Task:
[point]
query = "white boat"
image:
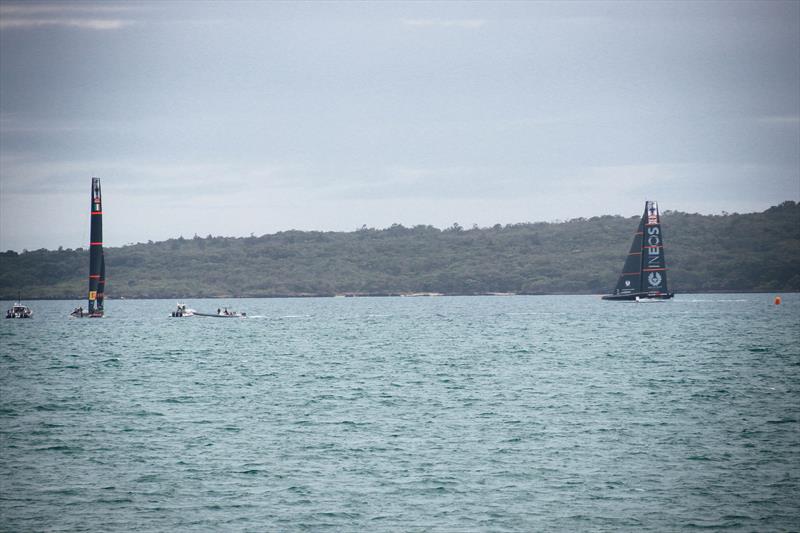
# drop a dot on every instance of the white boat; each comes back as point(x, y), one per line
point(223, 312)
point(19, 311)
point(182, 311)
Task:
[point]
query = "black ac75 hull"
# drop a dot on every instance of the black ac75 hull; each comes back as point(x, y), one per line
point(640, 295)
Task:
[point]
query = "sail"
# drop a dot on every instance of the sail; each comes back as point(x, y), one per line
point(96, 263)
point(630, 281)
point(654, 267)
point(645, 272)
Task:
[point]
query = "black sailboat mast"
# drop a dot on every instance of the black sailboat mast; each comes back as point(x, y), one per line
point(96, 266)
point(101, 283)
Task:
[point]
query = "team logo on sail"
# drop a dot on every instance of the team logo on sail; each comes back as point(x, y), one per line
point(654, 279)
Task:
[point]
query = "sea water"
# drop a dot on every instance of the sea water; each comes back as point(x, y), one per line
point(520, 413)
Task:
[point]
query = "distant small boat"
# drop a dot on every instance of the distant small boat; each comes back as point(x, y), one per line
point(644, 275)
point(222, 313)
point(19, 311)
point(97, 262)
point(182, 311)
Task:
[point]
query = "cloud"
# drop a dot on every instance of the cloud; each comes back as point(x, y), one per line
point(780, 120)
point(18, 123)
point(424, 182)
point(467, 24)
point(29, 8)
point(80, 16)
point(172, 182)
point(84, 24)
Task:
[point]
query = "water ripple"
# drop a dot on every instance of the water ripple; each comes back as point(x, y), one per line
point(405, 414)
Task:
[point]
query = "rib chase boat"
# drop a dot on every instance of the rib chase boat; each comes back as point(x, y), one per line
point(644, 275)
point(222, 312)
point(97, 263)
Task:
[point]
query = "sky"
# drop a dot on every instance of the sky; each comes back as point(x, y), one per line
point(239, 118)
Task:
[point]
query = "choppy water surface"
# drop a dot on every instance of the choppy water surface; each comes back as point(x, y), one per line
point(404, 414)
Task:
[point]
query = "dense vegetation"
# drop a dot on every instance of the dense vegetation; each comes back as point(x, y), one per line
point(736, 252)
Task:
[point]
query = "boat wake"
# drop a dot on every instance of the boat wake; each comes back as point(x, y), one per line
point(705, 301)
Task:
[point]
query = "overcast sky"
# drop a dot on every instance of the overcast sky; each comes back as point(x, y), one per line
point(256, 117)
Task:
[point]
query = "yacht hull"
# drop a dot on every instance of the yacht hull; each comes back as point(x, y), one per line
point(638, 296)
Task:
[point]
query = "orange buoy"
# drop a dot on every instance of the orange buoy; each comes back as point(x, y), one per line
point(777, 300)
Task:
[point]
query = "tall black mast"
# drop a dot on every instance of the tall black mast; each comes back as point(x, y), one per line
point(96, 266)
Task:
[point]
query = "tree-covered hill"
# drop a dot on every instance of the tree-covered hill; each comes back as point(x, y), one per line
point(736, 252)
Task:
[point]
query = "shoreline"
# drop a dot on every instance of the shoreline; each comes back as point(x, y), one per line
point(378, 295)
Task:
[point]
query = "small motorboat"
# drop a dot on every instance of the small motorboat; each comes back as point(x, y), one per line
point(80, 312)
point(223, 312)
point(19, 311)
point(182, 311)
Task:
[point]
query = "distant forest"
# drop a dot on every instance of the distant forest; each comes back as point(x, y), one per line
point(729, 252)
